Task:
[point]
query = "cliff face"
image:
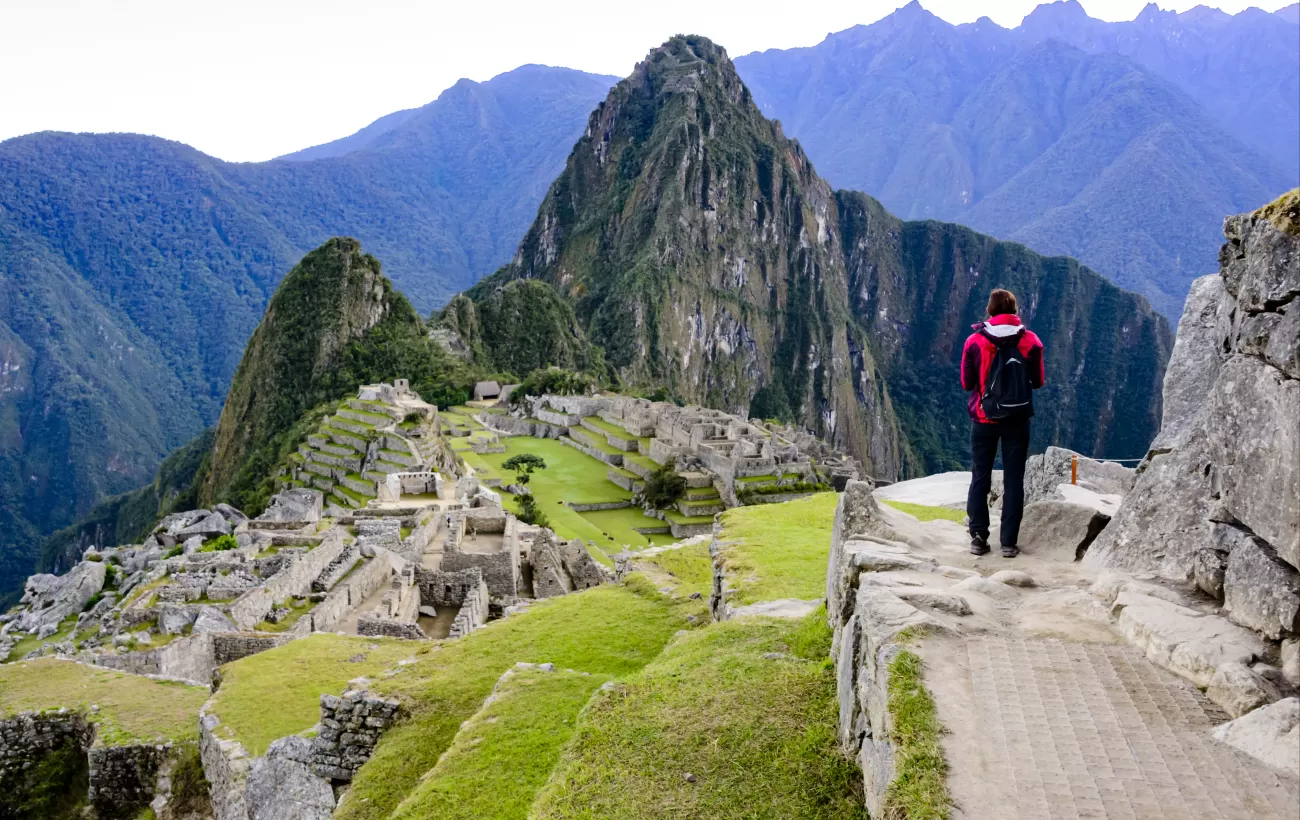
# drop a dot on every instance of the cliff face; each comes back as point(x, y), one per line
point(303, 353)
point(1217, 501)
point(700, 249)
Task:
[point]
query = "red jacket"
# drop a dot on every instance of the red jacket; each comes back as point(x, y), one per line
point(978, 354)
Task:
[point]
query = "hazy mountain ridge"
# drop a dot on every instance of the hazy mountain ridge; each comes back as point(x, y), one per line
point(1019, 134)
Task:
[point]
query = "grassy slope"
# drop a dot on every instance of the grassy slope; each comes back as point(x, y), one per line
point(277, 693)
point(610, 630)
point(503, 755)
point(131, 707)
point(784, 547)
point(757, 733)
point(924, 512)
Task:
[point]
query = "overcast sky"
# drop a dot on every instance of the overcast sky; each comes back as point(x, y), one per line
point(253, 79)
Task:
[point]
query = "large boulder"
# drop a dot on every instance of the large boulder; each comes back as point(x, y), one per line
point(1060, 530)
point(1044, 473)
point(294, 505)
point(232, 515)
point(1193, 364)
point(1260, 590)
point(211, 525)
point(210, 619)
point(50, 599)
point(1270, 733)
point(282, 786)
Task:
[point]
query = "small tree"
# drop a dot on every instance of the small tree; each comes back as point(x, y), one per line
point(663, 488)
point(523, 466)
point(529, 512)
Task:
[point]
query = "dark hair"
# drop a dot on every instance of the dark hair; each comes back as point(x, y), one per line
point(1001, 301)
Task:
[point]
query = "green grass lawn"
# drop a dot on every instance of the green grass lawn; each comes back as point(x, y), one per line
point(622, 524)
point(503, 755)
point(570, 475)
point(277, 692)
point(132, 708)
point(784, 547)
point(758, 735)
point(924, 512)
point(691, 566)
point(609, 630)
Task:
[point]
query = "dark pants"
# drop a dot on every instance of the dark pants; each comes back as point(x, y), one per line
point(983, 450)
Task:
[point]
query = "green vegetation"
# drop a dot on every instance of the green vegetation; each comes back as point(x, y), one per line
point(924, 512)
point(691, 568)
point(919, 790)
point(132, 708)
point(759, 735)
point(607, 631)
point(663, 488)
point(190, 788)
point(784, 547)
point(277, 692)
point(53, 788)
point(503, 755)
point(750, 495)
point(30, 643)
point(222, 543)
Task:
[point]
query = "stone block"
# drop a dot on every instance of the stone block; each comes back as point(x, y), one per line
point(1238, 689)
point(1259, 590)
point(1189, 643)
point(1060, 530)
point(1270, 734)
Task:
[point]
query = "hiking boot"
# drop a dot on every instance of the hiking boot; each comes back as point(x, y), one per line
point(1010, 552)
point(979, 545)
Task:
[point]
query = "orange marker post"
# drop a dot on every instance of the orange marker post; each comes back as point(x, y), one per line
point(1074, 469)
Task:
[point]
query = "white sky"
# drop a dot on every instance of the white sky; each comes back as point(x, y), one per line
point(253, 79)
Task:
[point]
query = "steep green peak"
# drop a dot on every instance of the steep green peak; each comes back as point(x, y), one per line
point(334, 322)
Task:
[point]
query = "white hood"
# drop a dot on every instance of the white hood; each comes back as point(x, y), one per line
point(1002, 331)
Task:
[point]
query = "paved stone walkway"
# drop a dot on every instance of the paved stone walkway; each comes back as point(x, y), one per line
point(1096, 730)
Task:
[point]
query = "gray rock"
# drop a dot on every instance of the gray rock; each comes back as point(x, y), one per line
point(1043, 473)
point(233, 516)
point(210, 526)
point(192, 544)
point(1290, 654)
point(282, 786)
point(869, 560)
point(1270, 734)
point(1283, 349)
point(985, 586)
point(1260, 590)
point(1260, 264)
point(1208, 568)
point(1059, 530)
point(172, 619)
point(50, 598)
point(294, 505)
point(211, 619)
point(1187, 642)
point(1012, 577)
point(942, 601)
point(1238, 689)
point(1255, 437)
point(1193, 364)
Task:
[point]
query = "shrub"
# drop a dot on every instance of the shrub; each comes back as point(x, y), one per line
point(221, 543)
point(174, 551)
point(663, 488)
point(749, 495)
point(529, 513)
point(553, 380)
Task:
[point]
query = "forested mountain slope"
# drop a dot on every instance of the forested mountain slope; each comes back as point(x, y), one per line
point(1119, 152)
point(698, 246)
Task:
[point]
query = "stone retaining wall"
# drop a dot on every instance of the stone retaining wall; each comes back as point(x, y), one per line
point(473, 612)
point(191, 659)
point(226, 764)
point(350, 727)
point(123, 779)
point(613, 459)
point(441, 588)
point(610, 505)
point(351, 594)
point(252, 607)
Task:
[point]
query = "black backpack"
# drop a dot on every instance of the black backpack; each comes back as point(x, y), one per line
point(1007, 394)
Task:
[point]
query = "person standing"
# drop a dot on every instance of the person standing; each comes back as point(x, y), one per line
point(1001, 366)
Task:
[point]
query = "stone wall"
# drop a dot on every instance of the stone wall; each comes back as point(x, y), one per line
point(867, 620)
point(1217, 500)
point(351, 594)
point(560, 568)
point(252, 607)
point(350, 727)
point(440, 588)
point(189, 659)
point(510, 425)
point(226, 764)
point(232, 646)
point(473, 611)
point(124, 779)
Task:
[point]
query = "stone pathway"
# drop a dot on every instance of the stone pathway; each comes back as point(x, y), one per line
point(1081, 730)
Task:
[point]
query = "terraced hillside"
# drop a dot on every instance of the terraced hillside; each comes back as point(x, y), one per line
point(357, 446)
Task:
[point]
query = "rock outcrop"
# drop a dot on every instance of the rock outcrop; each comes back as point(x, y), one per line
point(1217, 500)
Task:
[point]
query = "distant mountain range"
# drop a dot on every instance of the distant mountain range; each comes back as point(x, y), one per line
point(133, 269)
point(1120, 144)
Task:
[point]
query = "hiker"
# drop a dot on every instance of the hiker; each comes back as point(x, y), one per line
point(1001, 364)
